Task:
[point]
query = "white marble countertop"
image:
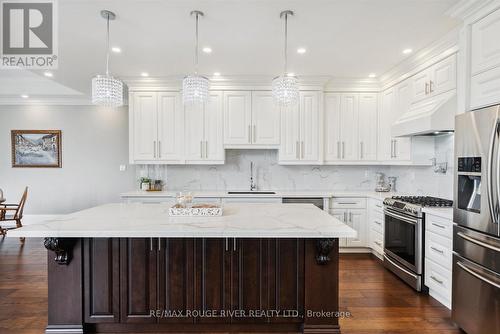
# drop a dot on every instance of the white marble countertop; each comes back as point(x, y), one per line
point(138, 220)
point(278, 194)
point(446, 213)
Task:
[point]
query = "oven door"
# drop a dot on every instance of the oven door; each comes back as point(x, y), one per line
point(402, 239)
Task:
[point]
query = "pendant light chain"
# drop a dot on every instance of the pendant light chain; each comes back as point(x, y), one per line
point(107, 45)
point(286, 43)
point(196, 47)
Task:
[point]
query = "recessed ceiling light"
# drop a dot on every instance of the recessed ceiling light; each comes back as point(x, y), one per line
point(48, 74)
point(301, 51)
point(207, 49)
point(116, 49)
point(372, 75)
point(407, 51)
point(216, 74)
point(290, 74)
point(24, 96)
point(144, 74)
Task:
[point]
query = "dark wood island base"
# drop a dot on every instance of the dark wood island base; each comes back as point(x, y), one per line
point(120, 285)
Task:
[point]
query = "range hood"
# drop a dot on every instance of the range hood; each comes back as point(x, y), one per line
point(429, 117)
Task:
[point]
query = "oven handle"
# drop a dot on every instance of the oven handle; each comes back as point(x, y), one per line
point(403, 218)
point(399, 267)
point(476, 275)
point(478, 242)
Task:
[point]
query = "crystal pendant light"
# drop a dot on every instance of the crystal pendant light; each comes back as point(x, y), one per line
point(286, 87)
point(106, 90)
point(195, 87)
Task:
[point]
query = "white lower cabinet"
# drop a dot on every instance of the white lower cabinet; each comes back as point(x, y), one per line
point(376, 226)
point(352, 212)
point(438, 258)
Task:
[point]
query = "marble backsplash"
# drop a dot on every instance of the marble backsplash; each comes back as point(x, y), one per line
point(235, 174)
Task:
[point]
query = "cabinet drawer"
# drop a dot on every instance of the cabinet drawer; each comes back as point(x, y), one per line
point(348, 203)
point(377, 224)
point(377, 207)
point(485, 88)
point(438, 279)
point(439, 226)
point(438, 249)
point(377, 241)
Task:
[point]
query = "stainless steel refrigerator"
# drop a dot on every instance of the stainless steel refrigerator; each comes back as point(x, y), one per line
point(476, 214)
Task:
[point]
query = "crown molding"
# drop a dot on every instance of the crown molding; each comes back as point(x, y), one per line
point(433, 53)
point(53, 100)
point(466, 8)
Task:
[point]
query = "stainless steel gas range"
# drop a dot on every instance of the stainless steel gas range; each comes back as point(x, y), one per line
point(404, 236)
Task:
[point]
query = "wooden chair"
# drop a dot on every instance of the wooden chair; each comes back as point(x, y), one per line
point(13, 212)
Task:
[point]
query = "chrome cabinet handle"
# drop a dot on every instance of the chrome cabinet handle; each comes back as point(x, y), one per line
point(249, 134)
point(150, 244)
point(361, 153)
point(345, 217)
point(395, 148)
point(431, 83)
point(159, 148)
point(338, 149)
point(343, 150)
point(297, 150)
point(437, 250)
point(227, 244)
point(426, 88)
point(377, 222)
point(478, 242)
point(154, 148)
point(350, 217)
point(473, 273)
point(201, 149)
point(302, 150)
point(378, 243)
point(438, 225)
point(437, 280)
point(254, 133)
point(159, 244)
point(392, 148)
point(234, 244)
point(206, 150)
point(347, 203)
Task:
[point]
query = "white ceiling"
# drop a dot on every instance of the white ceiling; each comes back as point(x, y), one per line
point(344, 38)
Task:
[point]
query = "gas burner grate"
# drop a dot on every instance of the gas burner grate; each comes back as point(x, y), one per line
point(425, 201)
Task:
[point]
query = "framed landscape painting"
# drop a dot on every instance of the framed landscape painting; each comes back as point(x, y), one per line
point(36, 148)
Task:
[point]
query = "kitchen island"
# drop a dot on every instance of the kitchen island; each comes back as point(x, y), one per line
point(133, 268)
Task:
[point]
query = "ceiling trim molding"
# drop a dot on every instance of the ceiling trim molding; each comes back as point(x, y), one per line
point(438, 50)
point(466, 8)
point(46, 100)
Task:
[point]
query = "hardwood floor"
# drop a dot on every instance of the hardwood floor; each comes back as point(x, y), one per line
point(377, 301)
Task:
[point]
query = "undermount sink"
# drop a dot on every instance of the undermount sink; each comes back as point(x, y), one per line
point(251, 192)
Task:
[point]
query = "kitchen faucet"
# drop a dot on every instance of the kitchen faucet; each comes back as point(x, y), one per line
point(253, 186)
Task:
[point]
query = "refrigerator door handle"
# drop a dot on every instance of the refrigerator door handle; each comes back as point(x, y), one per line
point(493, 164)
point(478, 276)
point(478, 242)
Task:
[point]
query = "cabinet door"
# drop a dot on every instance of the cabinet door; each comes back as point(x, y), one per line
point(332, 126)
point(194, 133)
point(265, 119)
point(214, 137)
point(368, 125)
point(143, 124)
point(287, 277)
point(102, 280)
point(213, 277)
point(443, 76)
point(341, 215)
point(237, 118)
point(170, 127)
point(176, 279)
point(356, 219)
point(250, 286)
point(349, 116)
point(138, 272)
point(485, 47)
point(485, 88)
point(289, 143)
point(420, 85)
point(309, 127)
point(402, 146)
point(385, 143)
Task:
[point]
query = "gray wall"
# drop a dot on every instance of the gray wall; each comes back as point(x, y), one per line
point(94, 145)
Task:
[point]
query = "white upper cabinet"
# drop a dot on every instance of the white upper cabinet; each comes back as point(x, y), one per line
point(349, 117)
point(237, 117)
point(251, 120)
point(485, 45)
point(204, 139)
point(265, 119)
point(401, 149)
point(385, 140)
point(170, 127)
point(368, 126)
point(156, 127)
point(485, 61)
point(332, 113)
point(439, 78)
point(301, 136)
